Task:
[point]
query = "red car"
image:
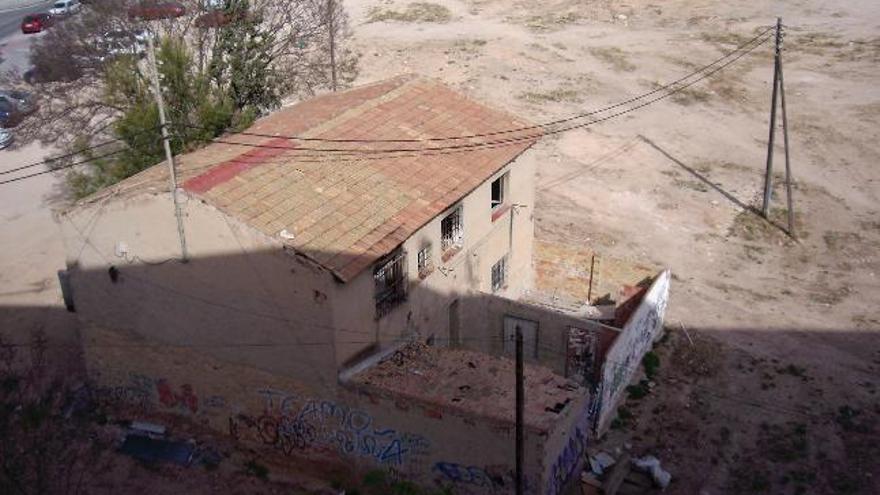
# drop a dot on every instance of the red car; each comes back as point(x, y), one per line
point(152, 10)
point(34, 23)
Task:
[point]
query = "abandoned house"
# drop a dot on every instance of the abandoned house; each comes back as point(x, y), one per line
point(355, 302)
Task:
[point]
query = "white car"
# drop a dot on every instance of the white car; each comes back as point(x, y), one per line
point(5, 138)
point(65, 7)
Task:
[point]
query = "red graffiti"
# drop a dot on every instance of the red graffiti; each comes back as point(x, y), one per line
point(186, 399)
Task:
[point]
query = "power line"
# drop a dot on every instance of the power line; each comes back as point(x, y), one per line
point(49, 161)
point(342, 152)
point(519, 129)
point(500, 142)
point(23, 177)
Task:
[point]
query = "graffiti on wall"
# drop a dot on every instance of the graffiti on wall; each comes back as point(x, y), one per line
point(291, 423)
point(569, 459)
point(143, 392)
point(485, 479)
point(630, 347)
point(580, 356)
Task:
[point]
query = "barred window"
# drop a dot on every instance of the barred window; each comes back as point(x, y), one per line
point(499, 274)
point(426, 264)
point(390, 280)
point(451, 231)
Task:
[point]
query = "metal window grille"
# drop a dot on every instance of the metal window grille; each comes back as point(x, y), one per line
point(499, 274)
point(390, 279)
point(451, 231)
point(425, 262)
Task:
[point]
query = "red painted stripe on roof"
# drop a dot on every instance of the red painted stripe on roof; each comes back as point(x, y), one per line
point(227, 170)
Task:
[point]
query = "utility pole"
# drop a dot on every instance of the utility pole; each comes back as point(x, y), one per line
point(768, 175)
point(778, 91)
point(331, 30)
point(788, 177)
point(157, 89)
point(520, 403)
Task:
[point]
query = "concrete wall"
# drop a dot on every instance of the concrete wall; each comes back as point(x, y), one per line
point(240, 298)
point(357, 429)
point(625, 355)
point(426, 311)
point(485, 315)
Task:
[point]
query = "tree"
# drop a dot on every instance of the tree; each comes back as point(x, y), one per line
point(221, 65)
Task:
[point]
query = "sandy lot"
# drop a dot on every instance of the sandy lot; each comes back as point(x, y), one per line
point(774, 388)
point(778, 394)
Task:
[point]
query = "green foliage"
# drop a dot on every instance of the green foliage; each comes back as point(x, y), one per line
point(651, 362)
point(196, 111)
point(639, 390)
point(242, 60)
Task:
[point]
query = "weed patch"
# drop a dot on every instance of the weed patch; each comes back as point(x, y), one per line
point(414, 12)
point(555, 96)
point(613, 56)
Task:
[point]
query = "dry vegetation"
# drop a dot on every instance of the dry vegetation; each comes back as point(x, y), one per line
point(413, 12)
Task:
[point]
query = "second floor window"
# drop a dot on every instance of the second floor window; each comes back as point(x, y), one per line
point(390, 281)
point(499, 187)
point(451, 230)
point(426, 264)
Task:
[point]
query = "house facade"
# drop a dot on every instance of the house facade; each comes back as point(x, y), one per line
point(391, 223)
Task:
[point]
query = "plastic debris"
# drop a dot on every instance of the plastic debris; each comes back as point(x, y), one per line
point(600, 462)
point(651, 465)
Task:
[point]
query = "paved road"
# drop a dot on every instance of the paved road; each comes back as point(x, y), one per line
point(31, 249)
point(10, 21)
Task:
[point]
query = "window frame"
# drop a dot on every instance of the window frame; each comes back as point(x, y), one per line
point(502, 180)
point(453, 242)
point(387, 296)
point(501, 284)
point(425, 260)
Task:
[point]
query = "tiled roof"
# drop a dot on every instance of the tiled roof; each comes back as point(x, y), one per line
point(346, 211)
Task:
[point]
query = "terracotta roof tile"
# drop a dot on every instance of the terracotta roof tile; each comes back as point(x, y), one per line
point(348, 210)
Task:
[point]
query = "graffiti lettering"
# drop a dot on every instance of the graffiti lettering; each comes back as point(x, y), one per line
point(325, 424)
point(185, 399)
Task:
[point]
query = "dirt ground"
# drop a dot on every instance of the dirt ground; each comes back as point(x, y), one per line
point(768, 380)
point(778, 393)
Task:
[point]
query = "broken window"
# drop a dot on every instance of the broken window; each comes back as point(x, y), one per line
point(499, 274)
point(390, 280)
point(451, 231)
point(498, 191)
point(426, 264)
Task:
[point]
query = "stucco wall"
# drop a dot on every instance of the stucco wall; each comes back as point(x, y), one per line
point(240, 298)
point(485, 315)
point(625, 355)
point(426, 311)
point(358, 429)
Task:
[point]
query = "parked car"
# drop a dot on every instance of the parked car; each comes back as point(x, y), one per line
point(22, 101)
point(152, 10)
point(65, 7)
point(9, 117)
point(5, 138)
point(34, 23)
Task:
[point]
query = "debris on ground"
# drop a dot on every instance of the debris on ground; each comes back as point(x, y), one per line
point(623, 475)
point(155, 449)
point(651, 465)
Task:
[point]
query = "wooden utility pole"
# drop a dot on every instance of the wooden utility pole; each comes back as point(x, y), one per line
point(520, 403)
point(788, 177)
point(768, 175)
point(157, 89)
point(778, 94)
point(331, 30)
